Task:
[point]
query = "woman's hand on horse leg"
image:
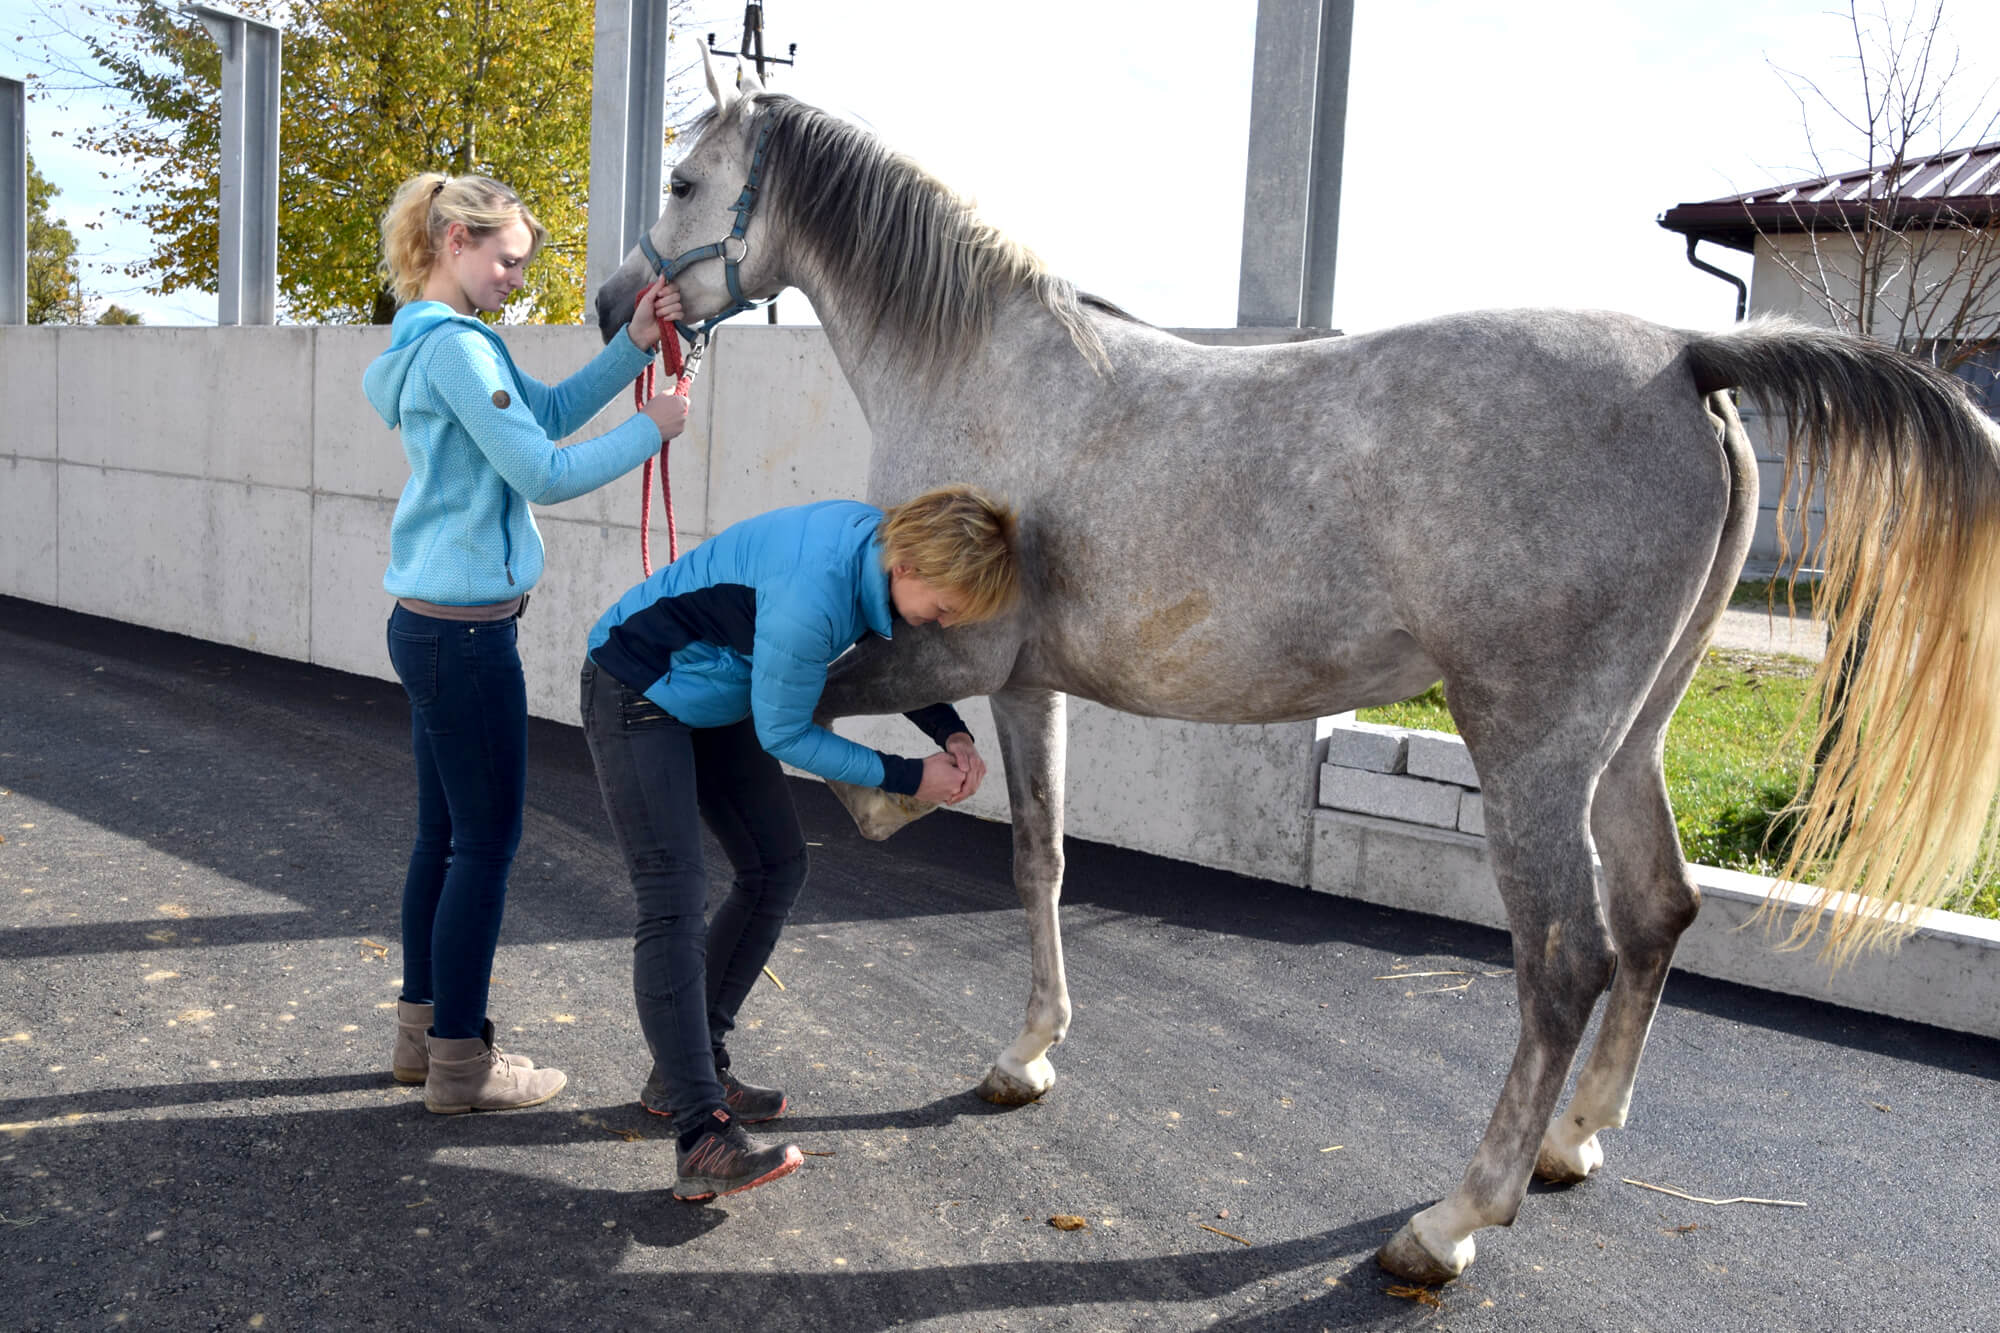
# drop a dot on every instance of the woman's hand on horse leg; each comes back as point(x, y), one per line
point(943, 781)
point(961, 748)
point(646, 325)
point(668, 411)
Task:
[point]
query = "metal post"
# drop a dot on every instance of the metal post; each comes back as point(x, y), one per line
point(1291, 193)
point(13, 202)
point(628, 131)
point(247, 276)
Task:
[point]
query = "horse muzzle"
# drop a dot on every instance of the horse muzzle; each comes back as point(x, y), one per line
point(616, 300)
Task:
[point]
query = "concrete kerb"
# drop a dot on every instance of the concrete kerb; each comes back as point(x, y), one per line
point(1946, 974)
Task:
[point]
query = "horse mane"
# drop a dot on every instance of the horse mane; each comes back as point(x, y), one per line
point(912, 255)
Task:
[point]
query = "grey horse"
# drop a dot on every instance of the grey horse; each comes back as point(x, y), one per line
point(1545, 510)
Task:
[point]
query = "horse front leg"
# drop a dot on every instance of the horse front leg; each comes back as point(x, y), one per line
point(1031, 729)
point(914, 669)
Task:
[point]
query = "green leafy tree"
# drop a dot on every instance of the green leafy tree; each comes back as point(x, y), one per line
point(374, 91)
point(118, 314)
point(55, 290)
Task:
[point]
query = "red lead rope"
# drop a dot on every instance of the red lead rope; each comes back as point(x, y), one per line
point(642, 393)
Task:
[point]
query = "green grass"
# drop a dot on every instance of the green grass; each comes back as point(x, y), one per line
point(1770, 594)
point(1732, 759)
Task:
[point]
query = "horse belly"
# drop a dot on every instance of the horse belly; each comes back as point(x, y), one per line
point(1157, 668)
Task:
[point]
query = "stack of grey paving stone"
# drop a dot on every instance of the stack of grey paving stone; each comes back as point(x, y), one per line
point(1418, 777)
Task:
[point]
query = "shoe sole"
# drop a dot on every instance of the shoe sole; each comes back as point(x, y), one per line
point(793, 1161)
point(549, 1096)
point(410, 1075)
point(783, 1107)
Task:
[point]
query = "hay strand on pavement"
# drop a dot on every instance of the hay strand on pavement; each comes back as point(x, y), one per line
point(1696, 1198)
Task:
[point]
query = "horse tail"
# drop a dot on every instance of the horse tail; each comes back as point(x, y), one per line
point(1899, 811)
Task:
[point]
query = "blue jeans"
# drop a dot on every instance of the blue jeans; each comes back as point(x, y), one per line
point(661, 779)
point(469, 733)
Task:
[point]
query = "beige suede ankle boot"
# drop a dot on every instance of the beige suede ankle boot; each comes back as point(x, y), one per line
point(410, 1062)
point(467, 1074)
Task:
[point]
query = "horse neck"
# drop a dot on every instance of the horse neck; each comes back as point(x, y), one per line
point(899, 393)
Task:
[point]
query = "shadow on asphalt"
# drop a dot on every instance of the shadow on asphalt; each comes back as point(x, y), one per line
point(308, 1183)
point(293, 779)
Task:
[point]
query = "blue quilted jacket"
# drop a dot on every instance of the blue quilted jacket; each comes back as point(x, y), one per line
point(480, 436)
point(746, 625)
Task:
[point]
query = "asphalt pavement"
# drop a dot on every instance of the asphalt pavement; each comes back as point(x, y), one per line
point(198, 961)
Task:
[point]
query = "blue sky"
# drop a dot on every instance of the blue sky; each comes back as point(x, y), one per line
point(1496, 155)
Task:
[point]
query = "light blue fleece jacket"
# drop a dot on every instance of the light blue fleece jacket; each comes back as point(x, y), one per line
point(480, 436)
point(746, 625)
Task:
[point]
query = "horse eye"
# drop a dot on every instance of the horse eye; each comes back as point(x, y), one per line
point(680, 189)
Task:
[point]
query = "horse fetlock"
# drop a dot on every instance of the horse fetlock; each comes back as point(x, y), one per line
point(878, 813)
point(1567, 1155)
point(1423, 1251)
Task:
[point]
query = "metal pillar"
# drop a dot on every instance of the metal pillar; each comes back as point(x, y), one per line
point(13, 202)
point(628, 131)
point(1291, 192)
point(247, 276)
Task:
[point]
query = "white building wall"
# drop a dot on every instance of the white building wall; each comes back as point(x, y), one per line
point(1927, 272)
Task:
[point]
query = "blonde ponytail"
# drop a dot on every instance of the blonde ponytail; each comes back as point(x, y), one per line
point(425, 205)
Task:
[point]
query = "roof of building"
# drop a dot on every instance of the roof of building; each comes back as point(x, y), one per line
point(1961, 185)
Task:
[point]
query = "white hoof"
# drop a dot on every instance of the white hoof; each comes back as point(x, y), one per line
point(878, 813)
point(1562, 1163)
point(1409, 1255)
point(1003, 1088)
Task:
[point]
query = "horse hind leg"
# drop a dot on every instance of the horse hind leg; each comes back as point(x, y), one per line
point(1031, 730)
point(1650, 897)
point(1563, 960)
point(1650, 900)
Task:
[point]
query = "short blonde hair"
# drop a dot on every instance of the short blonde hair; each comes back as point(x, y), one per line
point(426, 205)
point(961, 542)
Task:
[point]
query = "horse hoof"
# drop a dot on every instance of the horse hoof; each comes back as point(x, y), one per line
point(1408, 1257)
point(1005, 1089)
point(1562, 1164)
point(878, 813)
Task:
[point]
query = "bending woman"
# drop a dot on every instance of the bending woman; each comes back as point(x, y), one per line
point(463, 554)
point(697, 683)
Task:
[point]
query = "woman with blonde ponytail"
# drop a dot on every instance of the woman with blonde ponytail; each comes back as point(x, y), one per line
point(463, 554)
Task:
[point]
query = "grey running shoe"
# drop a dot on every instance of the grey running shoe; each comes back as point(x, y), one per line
point(726, 1160)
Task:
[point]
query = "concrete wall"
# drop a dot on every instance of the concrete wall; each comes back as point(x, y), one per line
point(234, 485)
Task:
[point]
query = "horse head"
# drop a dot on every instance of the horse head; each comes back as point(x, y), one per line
point(712, 238)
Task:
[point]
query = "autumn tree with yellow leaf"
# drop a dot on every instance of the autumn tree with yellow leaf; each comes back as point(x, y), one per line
point(374, 91)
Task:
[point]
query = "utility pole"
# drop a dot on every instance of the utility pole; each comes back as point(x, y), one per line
point(1298, 125)
point(628, 110)
point(246, 287)
point(751, 48)
point(13, 201)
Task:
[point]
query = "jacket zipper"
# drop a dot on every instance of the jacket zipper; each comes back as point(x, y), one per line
point(506, 535)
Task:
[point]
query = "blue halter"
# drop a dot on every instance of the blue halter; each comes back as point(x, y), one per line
point(746, 203)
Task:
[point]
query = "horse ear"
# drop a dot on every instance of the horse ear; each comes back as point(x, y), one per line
point(723, 93)
point(747, 81)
